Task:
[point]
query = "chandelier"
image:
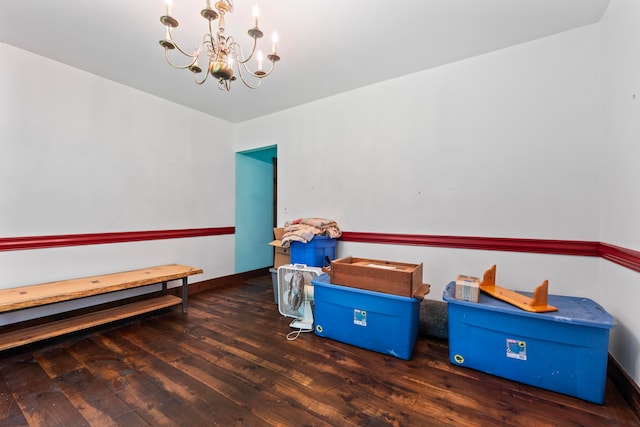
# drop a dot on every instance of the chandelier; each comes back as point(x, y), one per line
point(221, 51)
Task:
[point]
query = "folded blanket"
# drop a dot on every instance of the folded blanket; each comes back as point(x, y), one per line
point(305, 229)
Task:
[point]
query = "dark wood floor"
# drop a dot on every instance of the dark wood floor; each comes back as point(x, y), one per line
point(227, 362)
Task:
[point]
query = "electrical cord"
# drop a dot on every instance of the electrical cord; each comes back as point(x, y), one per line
point(293, 335)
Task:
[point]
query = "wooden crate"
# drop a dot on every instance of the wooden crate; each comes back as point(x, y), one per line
point(380, 276)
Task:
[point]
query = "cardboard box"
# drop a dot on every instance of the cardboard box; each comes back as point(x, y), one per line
point(372, 320)
point(564, 351)
point(467, 288)
point(379, 276)
point(282, 255)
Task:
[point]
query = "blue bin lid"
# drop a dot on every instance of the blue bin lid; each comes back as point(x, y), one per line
point(315, 237)
point(575, 310)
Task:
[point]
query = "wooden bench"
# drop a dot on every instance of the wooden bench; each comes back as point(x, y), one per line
point(25, 297)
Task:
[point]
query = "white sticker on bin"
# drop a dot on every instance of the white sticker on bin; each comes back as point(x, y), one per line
point(516, 349)
point(359, 317)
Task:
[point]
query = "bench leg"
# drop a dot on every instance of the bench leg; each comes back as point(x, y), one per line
point(184, 294)
point(164, 288)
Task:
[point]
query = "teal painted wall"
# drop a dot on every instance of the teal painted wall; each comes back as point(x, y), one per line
point(254, 209)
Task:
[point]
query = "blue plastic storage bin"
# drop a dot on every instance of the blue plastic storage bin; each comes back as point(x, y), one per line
point(564, 351)
point(376, 321)
point(313, 253)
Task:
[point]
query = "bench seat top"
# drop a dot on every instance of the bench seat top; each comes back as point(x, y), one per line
point(64, 290)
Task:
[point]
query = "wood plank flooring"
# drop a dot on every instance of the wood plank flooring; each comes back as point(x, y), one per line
point(227, 362)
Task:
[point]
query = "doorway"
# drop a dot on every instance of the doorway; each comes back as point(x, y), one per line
point(255, 213)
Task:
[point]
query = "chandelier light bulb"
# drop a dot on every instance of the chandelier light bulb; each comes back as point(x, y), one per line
point(256, 13)
point(274, 39)
point(260, 58)
point(168, 4)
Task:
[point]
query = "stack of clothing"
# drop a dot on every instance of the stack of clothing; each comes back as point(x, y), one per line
point(305, 229)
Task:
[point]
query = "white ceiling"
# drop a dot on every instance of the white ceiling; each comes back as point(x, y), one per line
point(327, 46)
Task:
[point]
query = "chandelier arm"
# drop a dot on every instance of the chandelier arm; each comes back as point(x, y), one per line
point(184, 52)
point(175, 44)
point(262, 76)
point(249, 85)
point(199, 82)
point(210, 29)
point(245, 80)
point(237, 48)
point(255, 74)
point(207, 42)
point(179, 67)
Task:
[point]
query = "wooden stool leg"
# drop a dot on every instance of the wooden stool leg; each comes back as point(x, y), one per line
point(184, 294)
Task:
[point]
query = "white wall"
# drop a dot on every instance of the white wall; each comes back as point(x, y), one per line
point(621, 124)
point(506, 144)
point(82, 154)
point(482, 147)
point(620, 224)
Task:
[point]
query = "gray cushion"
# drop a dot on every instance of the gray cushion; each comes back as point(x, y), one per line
point(433, 319)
